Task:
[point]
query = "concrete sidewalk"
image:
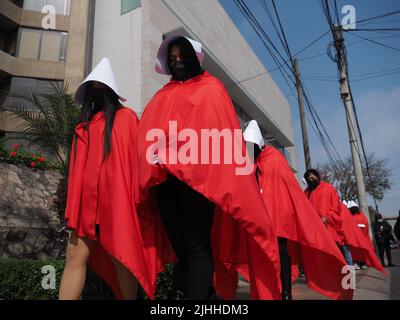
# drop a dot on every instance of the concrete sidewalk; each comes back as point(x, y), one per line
point(371, 285)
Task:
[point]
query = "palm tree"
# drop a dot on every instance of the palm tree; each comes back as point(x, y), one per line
point(50, 124)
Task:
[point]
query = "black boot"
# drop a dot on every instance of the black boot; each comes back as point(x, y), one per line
point(286, 270)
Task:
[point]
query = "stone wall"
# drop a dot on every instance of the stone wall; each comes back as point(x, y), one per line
point(30, 221)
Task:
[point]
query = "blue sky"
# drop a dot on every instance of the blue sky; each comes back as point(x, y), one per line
point(377, 99)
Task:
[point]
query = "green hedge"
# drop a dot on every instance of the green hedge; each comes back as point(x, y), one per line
point(22, 280)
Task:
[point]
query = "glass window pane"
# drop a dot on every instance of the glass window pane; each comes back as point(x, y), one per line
point(34, 5)
point(51, 45)
point(59, 5)
point(19, 87)
point(29, 43)
point(129, 5)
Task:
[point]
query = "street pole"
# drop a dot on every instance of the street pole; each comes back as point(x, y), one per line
point(306, 147)
point(348, 104)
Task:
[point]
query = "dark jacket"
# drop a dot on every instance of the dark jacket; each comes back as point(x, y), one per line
point(382, 231)
point(397, 229)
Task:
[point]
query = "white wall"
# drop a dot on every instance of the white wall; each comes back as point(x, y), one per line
point(118, 37)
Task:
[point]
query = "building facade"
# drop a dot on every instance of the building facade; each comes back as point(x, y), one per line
point(34, 53)
point(129, 33)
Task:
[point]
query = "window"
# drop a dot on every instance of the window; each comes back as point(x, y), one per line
point(61, 6)
point(29, 43)
point(34, 5)
point(52, 46)
point(129, 5)
point(20, 86)
point(42, 45)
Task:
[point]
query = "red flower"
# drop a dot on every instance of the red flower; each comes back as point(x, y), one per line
point(13, 154)
point(41, 159)
point(16, 146)
point(33, 164)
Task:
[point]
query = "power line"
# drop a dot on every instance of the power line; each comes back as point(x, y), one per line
point(312, 43)
point(378, 17)
point(372, 29)
point(376, 42)
point(328, 145)
point(356, 78)
point(265, 40)
point(295, 55)
point(382, 22)
point(341, 61)
point(316, 121)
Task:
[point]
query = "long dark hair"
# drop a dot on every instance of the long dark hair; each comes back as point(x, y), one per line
point(97, 100)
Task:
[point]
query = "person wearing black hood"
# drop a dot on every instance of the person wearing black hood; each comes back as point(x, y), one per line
point(210, 202)
point(326, 201)
point(193, 273)
point(182, 60)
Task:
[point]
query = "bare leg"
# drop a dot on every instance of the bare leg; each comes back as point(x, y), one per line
point(74, 276)
point(127, 282)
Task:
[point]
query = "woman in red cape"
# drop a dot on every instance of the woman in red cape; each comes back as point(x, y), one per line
point(361, 246)
point(105, 231)
point(303, 238)
point(359, 217)
point(241, 235)
point(294, 219)
point(326, 202)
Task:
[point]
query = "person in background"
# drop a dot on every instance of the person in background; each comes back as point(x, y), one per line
point(397, 228)
point(302, 236)
point(383, 234)
point(327, 203)
point(362, 222)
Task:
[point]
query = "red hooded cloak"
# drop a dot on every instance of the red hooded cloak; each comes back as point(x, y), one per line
point(242, 235)
point(326, 202)
point(361, 247)
point(103, 192)
point(294, 218)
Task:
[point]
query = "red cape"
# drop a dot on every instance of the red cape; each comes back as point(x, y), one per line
point(295, 219)
point(361, 247)
point(326, 202)
point(362, 222)
point(242, 236)
point(104, 193)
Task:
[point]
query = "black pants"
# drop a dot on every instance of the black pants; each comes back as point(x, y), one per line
point(286, 269)
point(382, 247)
point(188, 217)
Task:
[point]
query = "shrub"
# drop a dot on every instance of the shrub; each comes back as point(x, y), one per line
point(19, 156)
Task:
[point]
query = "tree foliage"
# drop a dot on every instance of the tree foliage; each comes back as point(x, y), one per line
point(377, 182)
point(48, 120)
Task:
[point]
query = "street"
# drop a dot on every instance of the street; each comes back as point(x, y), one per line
point(371, 285)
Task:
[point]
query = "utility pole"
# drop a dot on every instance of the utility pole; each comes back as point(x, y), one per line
point(348, 104)
point(304, 132)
